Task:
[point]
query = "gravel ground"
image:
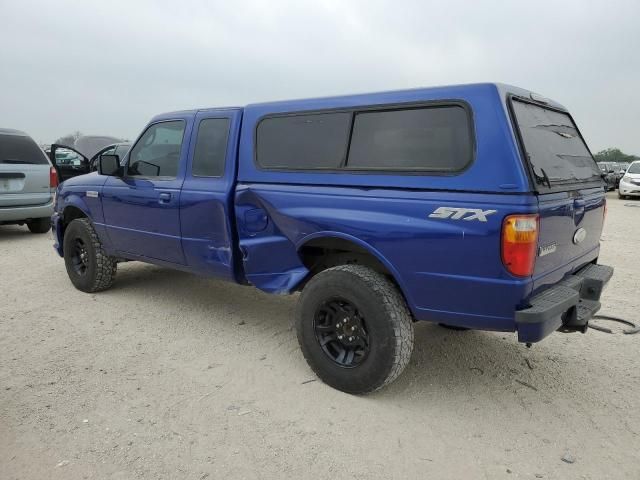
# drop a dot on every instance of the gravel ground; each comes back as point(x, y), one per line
point(168, 375)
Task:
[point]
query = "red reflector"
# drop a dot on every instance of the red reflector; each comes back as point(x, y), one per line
point(53, 178)
point(519, 243)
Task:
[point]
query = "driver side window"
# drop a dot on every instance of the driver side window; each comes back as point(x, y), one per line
point(157, 153)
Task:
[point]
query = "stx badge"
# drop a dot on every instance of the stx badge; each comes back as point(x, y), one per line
point(459, 213)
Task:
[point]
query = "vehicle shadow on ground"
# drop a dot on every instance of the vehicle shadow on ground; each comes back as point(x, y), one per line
point(10, 232)
point(173, 289)
point(460, 364)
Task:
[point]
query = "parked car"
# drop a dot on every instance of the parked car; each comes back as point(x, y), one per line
point(447, 204)
point(618, 171)
point(70, 162)
point(68, 157)
point(27, 182)
point(88, 145)
point(608, 174)
point(630, 182)
point(119, 149)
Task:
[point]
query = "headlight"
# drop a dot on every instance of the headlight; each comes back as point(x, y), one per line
point(625, 180)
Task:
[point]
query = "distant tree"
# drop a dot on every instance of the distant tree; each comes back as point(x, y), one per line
point(69, 139)
point(614, 155)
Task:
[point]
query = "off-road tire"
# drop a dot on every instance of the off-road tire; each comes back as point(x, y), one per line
point(388, 320)
point(100, 268)
point(39, 225)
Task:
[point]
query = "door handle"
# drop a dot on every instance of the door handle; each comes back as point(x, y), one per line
point(165, 197)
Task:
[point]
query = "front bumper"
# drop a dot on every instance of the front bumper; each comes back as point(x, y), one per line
point(56, 232)
point(567, 306)
point(628, 188)
point(631, 192)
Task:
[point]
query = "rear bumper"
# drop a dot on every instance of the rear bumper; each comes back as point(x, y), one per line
point(568, 305)
point(20, 214)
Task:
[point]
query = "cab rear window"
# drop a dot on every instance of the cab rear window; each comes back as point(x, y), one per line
point(20, 149)
point(553, 146)
point(211, 147)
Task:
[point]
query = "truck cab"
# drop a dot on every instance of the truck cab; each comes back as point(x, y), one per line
point(475, 206)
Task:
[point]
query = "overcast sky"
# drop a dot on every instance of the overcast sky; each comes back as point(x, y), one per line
point(107, 67)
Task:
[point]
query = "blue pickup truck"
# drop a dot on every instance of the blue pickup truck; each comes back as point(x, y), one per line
point(473, 206)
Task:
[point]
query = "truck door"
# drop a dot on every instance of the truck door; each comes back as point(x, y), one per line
point(68, 162)
point(206, 201)
point(142, 208)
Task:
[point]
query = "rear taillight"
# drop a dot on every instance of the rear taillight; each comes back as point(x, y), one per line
point(519, 243)
point(53, 178)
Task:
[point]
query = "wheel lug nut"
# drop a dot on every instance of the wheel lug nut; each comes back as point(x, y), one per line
point(339, 337)
point(351, 339)
point(353, 328)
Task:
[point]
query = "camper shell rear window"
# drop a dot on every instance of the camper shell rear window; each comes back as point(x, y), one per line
point(552, 145)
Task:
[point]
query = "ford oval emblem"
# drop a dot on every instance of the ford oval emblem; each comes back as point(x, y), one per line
point(579, 236)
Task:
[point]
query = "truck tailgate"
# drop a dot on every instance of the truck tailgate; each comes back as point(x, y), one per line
point(570, 228)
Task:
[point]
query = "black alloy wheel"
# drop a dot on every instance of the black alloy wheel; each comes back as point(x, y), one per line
point(80, 257)
point(341, 332)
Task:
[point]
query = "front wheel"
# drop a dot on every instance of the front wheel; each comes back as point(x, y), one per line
point(354, 328)
point(88, 267)
point(39, 225)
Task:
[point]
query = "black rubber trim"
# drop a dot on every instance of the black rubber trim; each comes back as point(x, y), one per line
point(549, 304)
point(10, 175)
point(594, 278)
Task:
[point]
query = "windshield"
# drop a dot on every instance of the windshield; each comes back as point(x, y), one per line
point(65, 156)
point(553, 145)
point(634, 168)
point(20, 149)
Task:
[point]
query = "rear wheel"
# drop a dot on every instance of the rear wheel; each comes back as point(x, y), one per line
point(88, 267)
point(39, 225)
point(354, 328)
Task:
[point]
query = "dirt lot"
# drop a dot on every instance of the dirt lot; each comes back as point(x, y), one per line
point(172, 376)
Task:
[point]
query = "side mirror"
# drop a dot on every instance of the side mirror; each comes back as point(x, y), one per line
point(109, 165)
